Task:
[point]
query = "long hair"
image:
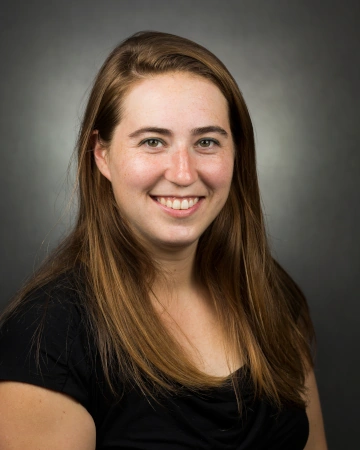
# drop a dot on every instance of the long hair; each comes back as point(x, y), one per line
point(261, 309)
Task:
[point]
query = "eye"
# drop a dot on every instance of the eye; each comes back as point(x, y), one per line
point(207, 143)
point(153, 143)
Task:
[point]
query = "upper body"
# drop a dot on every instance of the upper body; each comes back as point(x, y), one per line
point(77, 411)
point(178, 292)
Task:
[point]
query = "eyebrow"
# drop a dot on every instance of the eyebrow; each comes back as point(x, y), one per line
point(166, 132)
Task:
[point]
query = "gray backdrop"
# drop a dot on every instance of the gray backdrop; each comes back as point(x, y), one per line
point(297, 64)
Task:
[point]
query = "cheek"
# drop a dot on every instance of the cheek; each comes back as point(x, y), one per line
point(135, 172)
point(221, 175)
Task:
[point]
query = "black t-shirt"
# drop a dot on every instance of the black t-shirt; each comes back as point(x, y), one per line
point(68, 364)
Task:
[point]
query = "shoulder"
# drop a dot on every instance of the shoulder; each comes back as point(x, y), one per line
point(50, 312)
point(45, 340)
point(56, 299)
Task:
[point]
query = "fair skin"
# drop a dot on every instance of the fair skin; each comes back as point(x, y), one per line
point(184, 161)
point(34, 418)
point(173, 149)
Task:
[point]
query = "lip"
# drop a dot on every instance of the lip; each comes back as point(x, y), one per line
point(178, 213)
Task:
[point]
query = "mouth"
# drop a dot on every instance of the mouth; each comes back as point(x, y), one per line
point(182, 203)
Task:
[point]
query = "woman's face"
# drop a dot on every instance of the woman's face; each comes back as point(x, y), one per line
point(171, 158)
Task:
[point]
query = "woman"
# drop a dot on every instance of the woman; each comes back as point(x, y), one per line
point(162, 321)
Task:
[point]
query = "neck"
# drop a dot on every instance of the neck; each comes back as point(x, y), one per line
point(178, 283)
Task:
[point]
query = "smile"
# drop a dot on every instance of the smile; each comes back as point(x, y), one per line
point(183, 203)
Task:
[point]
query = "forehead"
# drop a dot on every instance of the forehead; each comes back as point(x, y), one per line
point(174, 98)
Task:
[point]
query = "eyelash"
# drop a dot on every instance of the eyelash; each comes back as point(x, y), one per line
point(214, 141)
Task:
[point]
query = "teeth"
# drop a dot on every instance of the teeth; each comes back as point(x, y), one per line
point(185, 203)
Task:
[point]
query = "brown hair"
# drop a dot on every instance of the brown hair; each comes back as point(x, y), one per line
point(260, 307)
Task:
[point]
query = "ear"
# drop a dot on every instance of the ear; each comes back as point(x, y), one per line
point(101, 156)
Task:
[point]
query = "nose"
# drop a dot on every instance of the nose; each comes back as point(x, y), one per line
point(182, 167)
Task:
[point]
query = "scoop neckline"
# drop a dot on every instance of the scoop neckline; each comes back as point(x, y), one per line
point(237, 371)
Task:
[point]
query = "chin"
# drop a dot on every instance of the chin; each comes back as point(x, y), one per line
point(176, 244)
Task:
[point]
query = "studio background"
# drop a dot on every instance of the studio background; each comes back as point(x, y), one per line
point(298, 66)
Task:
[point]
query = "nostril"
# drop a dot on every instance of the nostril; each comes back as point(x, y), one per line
point(182, 174)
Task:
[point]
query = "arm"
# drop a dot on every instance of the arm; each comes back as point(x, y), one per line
point(317, 439)
point(36, 418)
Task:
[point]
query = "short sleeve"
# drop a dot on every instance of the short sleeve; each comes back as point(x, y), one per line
point(44, 343)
